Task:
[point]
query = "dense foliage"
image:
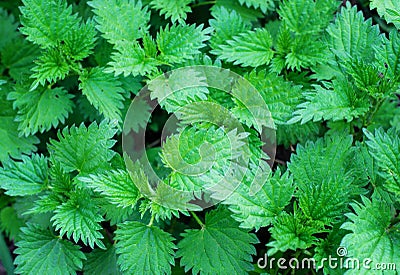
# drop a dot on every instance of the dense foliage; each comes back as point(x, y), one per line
point(329, 72)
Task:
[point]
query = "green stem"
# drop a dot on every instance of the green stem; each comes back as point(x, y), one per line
point(296, 255)
point(382, 24)
point(395, 220)
point(205, 3)
point(151, 221)
point(378, 105)
point(198, 219)
point(76, 68)
point(164, 63)
point(107, 235)
point(5, 256)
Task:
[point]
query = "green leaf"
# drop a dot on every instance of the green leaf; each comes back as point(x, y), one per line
point(79, 217)
point(131, 23)
point(7, 108)
point(351, 36)
point(248, 14)
point(289, 134)
point(50, 67)
point(178, 88)
point(144, 249)
point(23, 205)
point(305, 52)
point(283, 43)
point(369, 80)
point(325, 201)
point(178, 43)
point(226, 25)
point(130, 58)
point(385, 148)
point(80, 41)
point(325, 158)
point(116, 186)
point(388, 55)
point(10, 223)
point(115, 214)
point(325, 179)
point(47, 23)
point(46, 203)
point(388, 9)
point(371, 220)
point(24, 178)
point(41, 109)
point(281, 96)
point(164, 202)
point(5, 257)
point(12, 144)
point(84, 149)
point(251, 48)
point(41, 252)
point(264, 5)
point(221, 247)
point(317, 17)
point(102, 262)
point(19, 56)
point(194, 153)
point(292, 231)
point(299, 44)
point(176, 9)
point(260, 209)
point(365, 167)
point(103, 91)
point(250, 107)
point(137, 119)
point(387, 116)
point(60, 180)
point(328, 247)
point(343, 102)
point(167, 203)
point(8, 28)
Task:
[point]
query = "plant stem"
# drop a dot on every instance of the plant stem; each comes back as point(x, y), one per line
point(395, 220)
point(378, 105)
point(108, 235)
point(198, 219)
point(5, 256)
point(203, 4)
point(151, 221)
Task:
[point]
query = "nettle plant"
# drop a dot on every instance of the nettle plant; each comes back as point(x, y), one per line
point(328, 76)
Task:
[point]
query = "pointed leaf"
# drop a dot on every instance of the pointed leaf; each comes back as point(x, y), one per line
point(371, 221)
point(47, 23)
point(103, 91)
point(120, 20)
point(43, 253)
point(79, 217)
point(222, 247)
point(144, 249)
point(84, 149)
point(176, 9)
point(41, 109)
point(252, 48)
point(24, 178)
point(116, 186)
